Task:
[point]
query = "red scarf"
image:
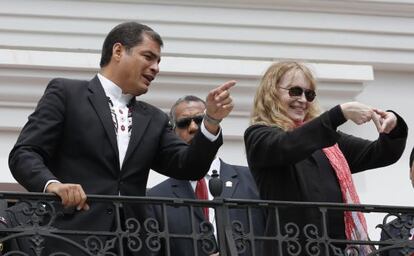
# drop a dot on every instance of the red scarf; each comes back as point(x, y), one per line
point(355, 224)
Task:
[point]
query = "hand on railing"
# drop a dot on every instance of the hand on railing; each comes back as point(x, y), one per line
point(71, 195)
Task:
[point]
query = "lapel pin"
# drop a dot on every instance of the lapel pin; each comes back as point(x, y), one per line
point(229, 184)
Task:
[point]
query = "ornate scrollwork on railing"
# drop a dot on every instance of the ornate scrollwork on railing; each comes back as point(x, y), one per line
point(316, 243)
point(153, 239)
point(32, 218)
point(395, 229)
point(34, 214)
point(402, 223)
point(240, 237)
point(207, 239)
point(32, 221)
point(132, 235)
point(37, 240)
point(291, 239)
point(96, 246)
point(313, 239)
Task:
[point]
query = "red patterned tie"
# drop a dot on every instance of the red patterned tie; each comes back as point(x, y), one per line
point(202, 193)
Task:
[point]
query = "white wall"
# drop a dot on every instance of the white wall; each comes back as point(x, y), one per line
point(389, 185)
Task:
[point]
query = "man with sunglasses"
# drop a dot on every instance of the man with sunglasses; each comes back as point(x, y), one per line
point(186, 116)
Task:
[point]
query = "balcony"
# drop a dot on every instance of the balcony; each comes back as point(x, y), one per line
point(29, 226)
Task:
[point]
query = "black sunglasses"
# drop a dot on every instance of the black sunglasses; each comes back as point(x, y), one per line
point(297, 91)
point(185, 122)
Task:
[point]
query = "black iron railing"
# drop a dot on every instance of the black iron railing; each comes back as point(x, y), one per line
point(29, 225)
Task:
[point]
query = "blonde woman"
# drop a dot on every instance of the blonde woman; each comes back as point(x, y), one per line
point(296, 153)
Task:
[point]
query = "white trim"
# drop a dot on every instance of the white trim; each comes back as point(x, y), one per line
point(176, 65)
point(368, 7)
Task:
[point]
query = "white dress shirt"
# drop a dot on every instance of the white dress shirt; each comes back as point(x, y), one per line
point(119, 113)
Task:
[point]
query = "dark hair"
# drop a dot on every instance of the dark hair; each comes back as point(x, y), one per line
point(411, 157)
point(129, 34)
point(186, 98)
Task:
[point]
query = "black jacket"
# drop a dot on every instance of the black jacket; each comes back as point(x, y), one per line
point(70, 137)
point(290, 166)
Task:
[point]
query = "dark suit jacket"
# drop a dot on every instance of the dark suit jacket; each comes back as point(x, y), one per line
point(70, 137)
point(399, 231)
point(179, 219)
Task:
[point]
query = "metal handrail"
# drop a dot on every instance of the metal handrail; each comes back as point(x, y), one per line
point(31, 221)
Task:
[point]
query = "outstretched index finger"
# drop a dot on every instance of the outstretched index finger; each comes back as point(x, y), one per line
point(224, 87)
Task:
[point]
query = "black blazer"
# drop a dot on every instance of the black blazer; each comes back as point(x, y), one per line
point(70, 137)
point(179, 219)
point(290, 166)
point(399, 231)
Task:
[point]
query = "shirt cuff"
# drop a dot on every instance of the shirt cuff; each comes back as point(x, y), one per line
point(47, 184)
point(208, 134)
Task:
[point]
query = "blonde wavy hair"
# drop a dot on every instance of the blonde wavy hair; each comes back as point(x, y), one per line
point(268, 108)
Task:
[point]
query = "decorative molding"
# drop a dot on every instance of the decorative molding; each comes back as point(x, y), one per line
point(88, 62)
point(366, 7)
point(25, 73)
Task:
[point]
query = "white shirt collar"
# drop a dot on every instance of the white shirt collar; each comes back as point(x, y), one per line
point(114, 92)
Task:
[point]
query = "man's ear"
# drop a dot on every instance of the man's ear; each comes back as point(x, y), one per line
point(117, 51)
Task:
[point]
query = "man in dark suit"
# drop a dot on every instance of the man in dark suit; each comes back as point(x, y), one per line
point(186, 115)
point(402, 228)
point(94, 137)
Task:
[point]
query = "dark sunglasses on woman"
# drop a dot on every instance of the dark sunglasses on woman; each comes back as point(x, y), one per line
point(186, 121)
point(297, 91)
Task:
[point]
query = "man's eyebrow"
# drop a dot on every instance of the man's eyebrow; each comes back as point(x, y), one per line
point(151, 53)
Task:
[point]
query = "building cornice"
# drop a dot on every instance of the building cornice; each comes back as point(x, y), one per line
point(399, 8)
point(25, 73)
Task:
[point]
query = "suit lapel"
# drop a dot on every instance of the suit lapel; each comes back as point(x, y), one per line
point(99, 102)
point(140, 121)
point(230, 181)
point(183, 189)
